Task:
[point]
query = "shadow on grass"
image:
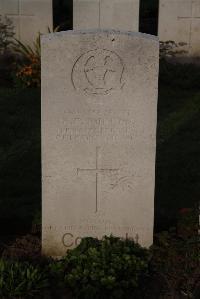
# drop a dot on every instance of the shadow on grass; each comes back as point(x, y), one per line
point(178, 143)
point(20, 166)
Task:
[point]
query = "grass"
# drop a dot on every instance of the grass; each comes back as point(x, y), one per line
point(178, 142)
point(178, 160)
point(20, 174)
point(178, 150)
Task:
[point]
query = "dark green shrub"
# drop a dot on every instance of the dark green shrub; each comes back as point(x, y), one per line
point(110, 268)
point(19, 279)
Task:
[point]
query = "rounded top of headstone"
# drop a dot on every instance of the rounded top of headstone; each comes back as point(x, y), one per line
point(100, 32)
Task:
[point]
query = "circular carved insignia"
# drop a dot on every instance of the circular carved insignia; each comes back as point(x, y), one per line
point(98, 72)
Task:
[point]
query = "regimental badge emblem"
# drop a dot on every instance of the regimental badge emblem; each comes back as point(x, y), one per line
point(98, 72)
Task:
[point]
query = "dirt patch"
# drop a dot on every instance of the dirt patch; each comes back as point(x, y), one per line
point(26, 247)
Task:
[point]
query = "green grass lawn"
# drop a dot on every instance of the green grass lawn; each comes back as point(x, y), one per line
point(20, 162)
point(178, 150)
point(178, 154)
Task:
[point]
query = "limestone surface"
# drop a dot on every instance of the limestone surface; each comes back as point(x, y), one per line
point(99, 113)
point(179, 21)
point(106, 14)
point(28, 17)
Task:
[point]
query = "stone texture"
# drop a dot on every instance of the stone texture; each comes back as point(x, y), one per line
point(99, 104)
point(179, 21)
point(106, 14)
point(29, 17)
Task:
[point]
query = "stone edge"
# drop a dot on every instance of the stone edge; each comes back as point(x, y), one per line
point(49, 36)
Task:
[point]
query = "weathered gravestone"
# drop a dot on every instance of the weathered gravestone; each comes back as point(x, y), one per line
point(28, 16)
point(99, 103)
point(179, 21)
point(106, 14)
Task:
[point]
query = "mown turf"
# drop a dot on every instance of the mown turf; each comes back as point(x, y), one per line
point(178, 143)
point(178, 150)
point(20, 174)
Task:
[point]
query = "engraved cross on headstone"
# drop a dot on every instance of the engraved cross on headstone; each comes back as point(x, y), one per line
point(19, 15)
point(191, 18)
point(97, 171)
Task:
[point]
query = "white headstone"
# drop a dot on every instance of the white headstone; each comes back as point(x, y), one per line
point(179, 21)
point(99, 103)
point(106, 14)
point(29, 17)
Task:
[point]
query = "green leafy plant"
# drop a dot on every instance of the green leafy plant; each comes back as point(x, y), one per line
point(56, 278)
point(28, 69)
point(21, 279)
point(110, 268)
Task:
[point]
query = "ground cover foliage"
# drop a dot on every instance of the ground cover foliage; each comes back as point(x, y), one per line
point(108, 269)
